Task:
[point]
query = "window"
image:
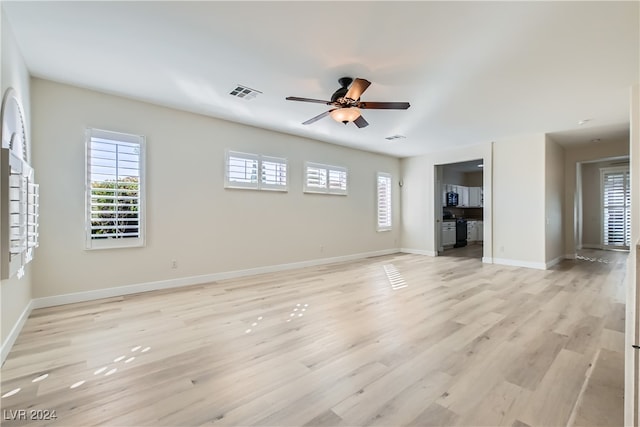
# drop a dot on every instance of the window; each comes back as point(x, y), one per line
point(325, 179)
point(114, 190)
point(616, 201)
point(384, 201)
point(254, 171)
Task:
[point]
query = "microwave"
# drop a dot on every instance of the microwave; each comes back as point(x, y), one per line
point(452, 198)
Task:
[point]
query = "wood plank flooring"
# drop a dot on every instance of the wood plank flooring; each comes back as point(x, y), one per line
point(387, 341)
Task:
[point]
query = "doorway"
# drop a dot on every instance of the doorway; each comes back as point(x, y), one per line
point(604, 214)
point(460, 209)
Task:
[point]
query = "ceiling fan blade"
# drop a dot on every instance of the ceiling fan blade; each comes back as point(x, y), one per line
point(361, 122)
point(357, 88)
point(317, 101)
point(384, 105)
point(318, 117)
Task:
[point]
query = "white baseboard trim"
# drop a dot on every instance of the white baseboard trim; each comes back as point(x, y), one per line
point(570, 256)
point(518, 263)
point(15, 331)
point(193, 280)
point(554, 261)
point(487, 260)
point(591, 246)
point(418, 252)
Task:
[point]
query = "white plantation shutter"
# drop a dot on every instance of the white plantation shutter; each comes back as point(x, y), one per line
point(115, 189)
point(325, 179)
point(384, 201)
point(254, 171)
point(616, 198)
point(338, 181)
point(242, 170)
point(274, 173)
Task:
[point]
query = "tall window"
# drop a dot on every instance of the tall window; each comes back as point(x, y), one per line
point(254, 171)
point(384, 201)
point(325, 179)
point(114, 190)
point(616, 202)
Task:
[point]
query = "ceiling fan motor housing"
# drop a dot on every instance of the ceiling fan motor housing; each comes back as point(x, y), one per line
point(344, 88)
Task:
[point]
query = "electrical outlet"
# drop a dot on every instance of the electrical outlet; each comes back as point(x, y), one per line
point(174, 264)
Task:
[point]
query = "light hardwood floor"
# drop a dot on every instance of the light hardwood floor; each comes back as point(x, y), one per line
point(389, 341)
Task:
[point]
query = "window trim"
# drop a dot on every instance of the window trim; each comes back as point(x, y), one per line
point(384, 227)
point(326, 190)
point(119, 243)
point(259, 184)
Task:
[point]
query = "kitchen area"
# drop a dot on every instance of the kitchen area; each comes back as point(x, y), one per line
point(462, 209)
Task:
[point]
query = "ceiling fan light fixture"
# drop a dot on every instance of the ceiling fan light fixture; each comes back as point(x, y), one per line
point(345, 115)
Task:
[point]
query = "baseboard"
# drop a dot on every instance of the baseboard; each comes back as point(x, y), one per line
point(570, 256)
point(591, 246)
point(15, 331)
point(418, 252)
point(518, 263)
point(487, 260)
point(193, 280)
point(554, 261)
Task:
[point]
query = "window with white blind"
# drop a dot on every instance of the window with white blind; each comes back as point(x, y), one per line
point(325, 179)
point(114, 190)
point(255, 171)
point(384, 201)
point(616, 203)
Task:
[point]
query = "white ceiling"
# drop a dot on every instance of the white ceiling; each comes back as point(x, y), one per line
point(472, 71)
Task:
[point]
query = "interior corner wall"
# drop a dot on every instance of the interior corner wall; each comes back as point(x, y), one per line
point(632, 316)
point(418, 197)
point(554, 201)
point(191, 217)
point(15, 293)
point(519, 201)
point(573, 156)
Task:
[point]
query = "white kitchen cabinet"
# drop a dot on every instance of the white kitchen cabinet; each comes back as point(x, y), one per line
point(475, 196)
point(463, 196)
point(480, 231)
point(467, 196)
point(472, 231)
point(448, 233)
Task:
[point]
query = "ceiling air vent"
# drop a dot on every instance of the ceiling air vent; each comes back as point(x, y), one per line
point(244, 92)
point(393, 137)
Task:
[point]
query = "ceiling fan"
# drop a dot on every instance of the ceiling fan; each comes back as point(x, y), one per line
point(347, 104)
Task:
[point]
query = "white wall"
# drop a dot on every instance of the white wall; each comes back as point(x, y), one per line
point(519, 201)
point(632, 318)
point(15, 294)
point(591, 211)
point(191, 218)
point(418, 197)
point(572, 197)
point(554, 200)
point(451, 176)
point(473, 179)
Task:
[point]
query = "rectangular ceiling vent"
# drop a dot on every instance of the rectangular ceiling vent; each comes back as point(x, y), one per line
point(393, 137)
point(244, 92)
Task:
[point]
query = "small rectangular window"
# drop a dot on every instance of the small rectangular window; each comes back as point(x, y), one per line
point(254, 171)
point(325, 179)
point(114, 190)
point(384, 201)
